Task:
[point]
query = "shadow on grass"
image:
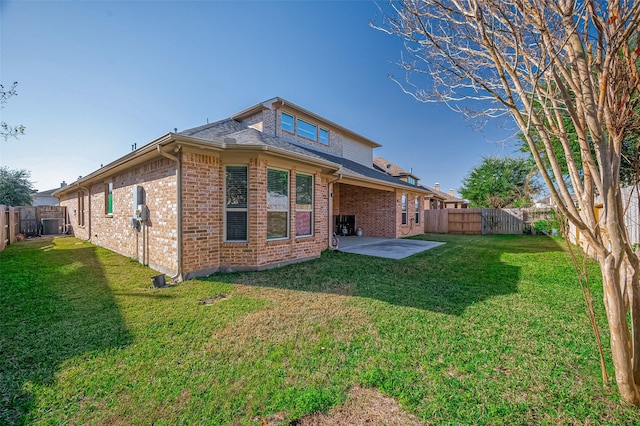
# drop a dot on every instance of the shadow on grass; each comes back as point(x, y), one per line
point(56, 304)
point(447, 279)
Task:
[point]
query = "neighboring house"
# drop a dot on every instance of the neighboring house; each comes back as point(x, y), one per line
point(266, 187)
point(548, 203)
point(46, 198)
point(437, 199)
point(431, 200)
point(395, 171)
point(543, 203)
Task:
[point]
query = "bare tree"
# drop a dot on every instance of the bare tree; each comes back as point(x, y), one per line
point(540, 61)
point(6, 130)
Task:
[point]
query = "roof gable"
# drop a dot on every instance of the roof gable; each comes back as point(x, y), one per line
point(278, 102)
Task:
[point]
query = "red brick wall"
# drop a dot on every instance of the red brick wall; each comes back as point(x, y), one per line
point(378, 212)
point(411, 228)
point(71, 202)
point(156, 243)
point(204, 250)
point(202, 207)
point(207, 251)
point(374, 209)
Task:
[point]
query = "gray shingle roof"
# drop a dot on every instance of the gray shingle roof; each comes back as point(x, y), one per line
point(47, 193)
point(391, 168)
point(218, 129)
point(244, 135)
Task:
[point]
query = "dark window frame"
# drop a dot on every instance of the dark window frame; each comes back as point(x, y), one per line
point(232, 209)
point(403, 202)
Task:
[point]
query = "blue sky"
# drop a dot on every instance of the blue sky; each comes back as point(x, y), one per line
point(96, 77)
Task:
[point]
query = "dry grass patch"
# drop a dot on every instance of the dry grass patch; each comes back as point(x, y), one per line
point(293, 316)
point(364, 407)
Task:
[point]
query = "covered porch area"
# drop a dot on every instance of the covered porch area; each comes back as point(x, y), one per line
point(368, 209)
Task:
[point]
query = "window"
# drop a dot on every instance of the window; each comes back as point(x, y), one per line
point(304, 128)
point(236, 203)
point(277, 204)
point(304, 205)
point(307, 130)
point(404, 209)
point(288, 122)
point(417, 209)
point(108, 198)
point(81, 208)
point(411, 180)
point(324, 136)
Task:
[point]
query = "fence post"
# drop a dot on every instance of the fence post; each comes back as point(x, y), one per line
point(12, 225)
point(3, 226)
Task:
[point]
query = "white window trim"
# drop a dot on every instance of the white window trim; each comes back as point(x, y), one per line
point(288, 211)
point(313, 205)
point(235, 209)
point(417, 206)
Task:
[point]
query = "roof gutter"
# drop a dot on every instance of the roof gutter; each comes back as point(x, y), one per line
point(142, 154)
point(178, 159)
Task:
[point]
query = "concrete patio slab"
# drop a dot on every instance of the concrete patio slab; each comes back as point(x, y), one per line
point(389, 248)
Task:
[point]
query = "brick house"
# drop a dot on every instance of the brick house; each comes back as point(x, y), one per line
point(437, 199)
point(434, 198)
point(266, 187)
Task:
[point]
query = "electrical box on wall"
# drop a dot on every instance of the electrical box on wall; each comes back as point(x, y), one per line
point(138, 198)
point(143, 212)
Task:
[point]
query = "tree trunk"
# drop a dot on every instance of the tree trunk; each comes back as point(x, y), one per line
point(621, 347)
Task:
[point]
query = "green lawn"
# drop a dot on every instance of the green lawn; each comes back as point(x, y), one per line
point(481, 330)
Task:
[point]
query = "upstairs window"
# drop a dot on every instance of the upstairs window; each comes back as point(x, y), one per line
point(307, 130)
point(323, 136)
point(411, 180)
point(304, 128)
point(277, 204)
point(236, 203)
point(417, 209)
point(404, 209)
point(304, 205)
point(288, 122)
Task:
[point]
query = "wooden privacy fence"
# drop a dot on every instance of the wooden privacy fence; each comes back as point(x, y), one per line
point(474, 221)
point(9, 225)
point(31, 221)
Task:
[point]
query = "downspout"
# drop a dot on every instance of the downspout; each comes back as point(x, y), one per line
point(177, 158)
point(84, 188)
point(330, 188)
